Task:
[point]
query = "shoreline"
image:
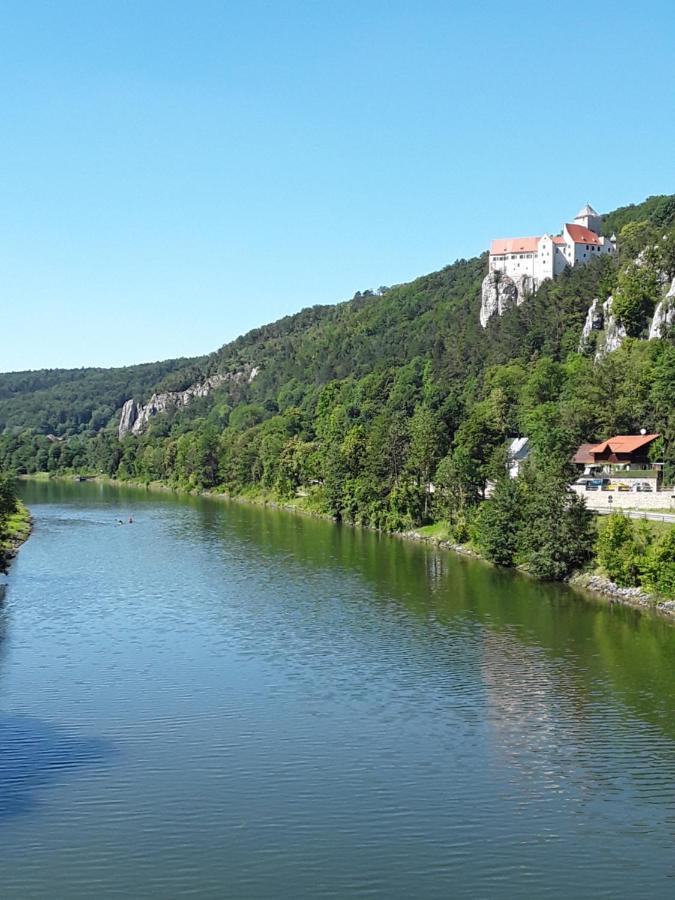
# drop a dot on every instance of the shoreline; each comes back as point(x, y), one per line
point(583, 583)
point(20, 529)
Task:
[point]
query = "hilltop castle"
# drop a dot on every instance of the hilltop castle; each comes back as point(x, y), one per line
point(544, 257)
point(519, 265)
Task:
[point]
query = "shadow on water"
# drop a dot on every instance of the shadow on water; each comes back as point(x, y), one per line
point(35, 753)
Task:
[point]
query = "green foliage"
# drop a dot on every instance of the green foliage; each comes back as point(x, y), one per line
point(636, 295)
point(8, 500)
point(392, 409)
point(558, 531)
point(536, 520)
point(8, 506)
point(499, 524)
point(620, 550)
point(632, 556)
point(659, 565)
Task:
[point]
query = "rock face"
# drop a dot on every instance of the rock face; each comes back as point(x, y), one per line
point(595, 321)
point(599, 319)
point(134, 418)
point(615, 334)
point(500, 293)
point(664, 315)
point(128, 417)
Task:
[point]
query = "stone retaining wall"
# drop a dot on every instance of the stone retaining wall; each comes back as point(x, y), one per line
point(664, 500)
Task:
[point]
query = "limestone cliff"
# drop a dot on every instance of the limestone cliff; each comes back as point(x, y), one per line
point(500, 293)
point(664, 315)
point(135, 418)
point(615, 333)
point(595, 321)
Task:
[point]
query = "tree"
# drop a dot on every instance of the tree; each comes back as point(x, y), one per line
point(636, 295)
point(659, 565)
point(8, 501)
point(620, 552)
point(499, 523)
point(425, 449)
point(558, 531)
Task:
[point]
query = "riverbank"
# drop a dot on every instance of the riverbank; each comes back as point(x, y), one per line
point(586, 583)
point(17, 530)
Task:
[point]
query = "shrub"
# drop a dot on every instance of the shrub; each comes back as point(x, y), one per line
point(622, 549)
point(659, 566)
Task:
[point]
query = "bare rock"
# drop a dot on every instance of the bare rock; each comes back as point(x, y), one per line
point(595, 321)
point(664, 315)
point(134, 418)
point(128, 418)
point(615, 333)
point(500, 293)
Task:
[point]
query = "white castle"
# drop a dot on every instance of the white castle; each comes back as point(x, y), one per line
point(539, 258)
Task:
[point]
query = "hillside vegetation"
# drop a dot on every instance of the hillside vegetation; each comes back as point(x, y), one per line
point(358, 407)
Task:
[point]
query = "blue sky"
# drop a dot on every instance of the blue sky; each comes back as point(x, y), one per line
point(176, 173)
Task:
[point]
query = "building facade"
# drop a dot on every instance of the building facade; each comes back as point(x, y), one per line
point(547, 255)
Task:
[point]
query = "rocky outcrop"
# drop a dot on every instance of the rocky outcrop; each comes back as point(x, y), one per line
point(615, 333)
point(128, 417)
point(595, 321)
point(500, 293)
point(664, 315)
point(134, 418)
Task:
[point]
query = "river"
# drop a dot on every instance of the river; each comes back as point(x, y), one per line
point(223, 701)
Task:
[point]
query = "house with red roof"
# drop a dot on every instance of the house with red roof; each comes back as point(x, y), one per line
point(621, 459)
point(546, 256)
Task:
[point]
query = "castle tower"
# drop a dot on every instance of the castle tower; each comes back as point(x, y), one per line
point(588, 218)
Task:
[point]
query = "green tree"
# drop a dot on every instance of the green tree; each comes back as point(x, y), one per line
point(558, 532)
point(619, 551)
point(636, 295)
point(659, 565)
point(499, 524)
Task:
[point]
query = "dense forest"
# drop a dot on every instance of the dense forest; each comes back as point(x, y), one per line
point(358, 408)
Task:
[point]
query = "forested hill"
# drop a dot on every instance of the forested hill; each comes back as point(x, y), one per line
point(75, 401)
point(434, 318)
point(358, 407)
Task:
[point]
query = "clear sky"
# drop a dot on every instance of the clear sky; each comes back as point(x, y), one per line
point(175, 173)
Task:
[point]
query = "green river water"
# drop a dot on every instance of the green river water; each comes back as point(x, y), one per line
point(229, 702)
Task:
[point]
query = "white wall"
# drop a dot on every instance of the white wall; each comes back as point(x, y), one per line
point(522, 264)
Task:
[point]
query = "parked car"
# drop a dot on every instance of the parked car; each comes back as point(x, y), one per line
point(597, 484)
point(623, 487)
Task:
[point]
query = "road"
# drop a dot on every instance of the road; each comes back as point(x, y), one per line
point(637, 514)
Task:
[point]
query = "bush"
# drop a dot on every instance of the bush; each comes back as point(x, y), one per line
point(622, 549)
point(659, 565)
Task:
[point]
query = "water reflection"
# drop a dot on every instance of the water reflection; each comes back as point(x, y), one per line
point(304, 710)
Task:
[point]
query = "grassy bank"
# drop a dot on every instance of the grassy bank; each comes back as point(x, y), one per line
point(16, 531)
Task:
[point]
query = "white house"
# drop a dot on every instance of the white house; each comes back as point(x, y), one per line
point(517, 453)
point(546, 256)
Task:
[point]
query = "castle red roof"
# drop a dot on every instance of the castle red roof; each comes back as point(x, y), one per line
point(514, 245)
point(558, 239)
point(581, 235)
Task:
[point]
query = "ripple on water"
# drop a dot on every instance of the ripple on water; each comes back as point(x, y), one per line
point(220, 701)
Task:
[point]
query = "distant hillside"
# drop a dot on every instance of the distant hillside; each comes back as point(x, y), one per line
point(434, 317)
point(72, 401)
point(357, 407)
